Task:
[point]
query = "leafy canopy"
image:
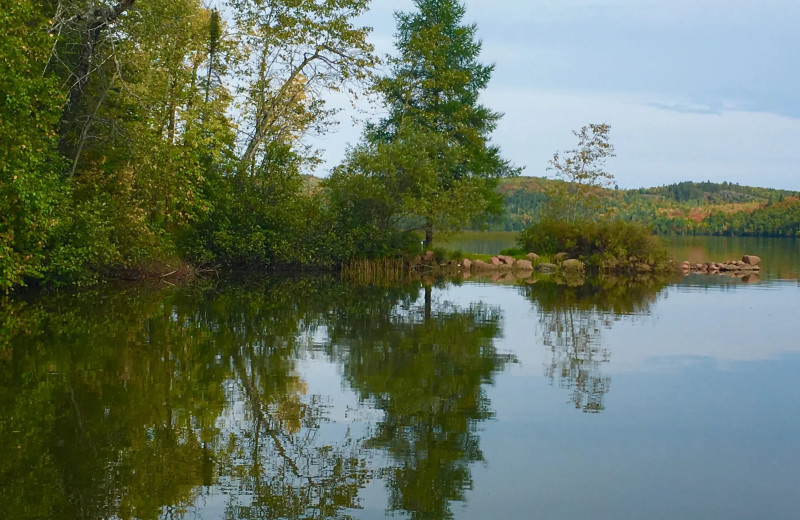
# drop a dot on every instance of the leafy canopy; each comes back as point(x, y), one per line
point(433, 149)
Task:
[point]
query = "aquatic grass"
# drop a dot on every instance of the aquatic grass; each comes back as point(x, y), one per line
point(382, 271)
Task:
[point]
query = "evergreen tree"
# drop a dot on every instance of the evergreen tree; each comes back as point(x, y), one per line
point(434, 114)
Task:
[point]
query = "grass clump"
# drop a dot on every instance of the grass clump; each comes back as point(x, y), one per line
point(611, 246)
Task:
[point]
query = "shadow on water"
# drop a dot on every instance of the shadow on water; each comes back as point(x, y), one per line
point(140, 403)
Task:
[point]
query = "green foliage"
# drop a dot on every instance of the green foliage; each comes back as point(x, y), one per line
point(582, 172)
point(607, 245)
point(513, 251)
point(176, 133)
point(433, 149)
point(686, 208)
point(32, 193)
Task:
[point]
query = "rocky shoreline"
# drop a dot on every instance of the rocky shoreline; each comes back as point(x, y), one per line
point(748, 268)
point(504, 266)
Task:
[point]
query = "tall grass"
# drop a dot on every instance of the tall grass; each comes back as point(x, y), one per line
point(383, 271)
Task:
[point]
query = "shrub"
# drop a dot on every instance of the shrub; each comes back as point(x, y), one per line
point(608, 245)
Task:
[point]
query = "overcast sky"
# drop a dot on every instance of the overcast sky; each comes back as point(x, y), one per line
point(693, 89)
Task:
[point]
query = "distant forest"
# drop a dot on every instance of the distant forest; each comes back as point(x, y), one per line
point(686, 208)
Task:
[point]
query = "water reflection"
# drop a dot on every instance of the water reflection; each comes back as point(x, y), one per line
point(425, 371)
point(149, 404)
point(572, 318)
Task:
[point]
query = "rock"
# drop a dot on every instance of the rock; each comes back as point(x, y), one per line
point(480, 265)
point(466, 264)
point(532, 257)
point(508, 260)
point(751, 260)
point(429, 257)
point(496, 261)
point(507, 277)
point(571, 264)
point(524, 265)
point(560, 257)
point(545, 267)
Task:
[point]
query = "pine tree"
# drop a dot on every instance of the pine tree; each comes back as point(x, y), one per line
point(432, 96)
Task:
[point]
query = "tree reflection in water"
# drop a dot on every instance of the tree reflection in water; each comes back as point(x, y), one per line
point(137, 403)
point(572, 318)
point(425, 369)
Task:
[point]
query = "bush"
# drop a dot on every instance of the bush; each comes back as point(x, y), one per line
point(608, 246)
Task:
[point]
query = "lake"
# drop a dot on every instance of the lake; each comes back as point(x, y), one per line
point(310, 397)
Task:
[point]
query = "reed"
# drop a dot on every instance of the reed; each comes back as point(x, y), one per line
point(376, 272)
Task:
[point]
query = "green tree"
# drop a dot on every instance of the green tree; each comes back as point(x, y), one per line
point(31, 191)
point(433, 149)
point(583, 173)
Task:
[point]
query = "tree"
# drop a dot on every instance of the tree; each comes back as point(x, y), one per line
point(31, 191)
point(583, 173)
point(433, 147)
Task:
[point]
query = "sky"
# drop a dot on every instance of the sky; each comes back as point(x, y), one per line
point(694, 90)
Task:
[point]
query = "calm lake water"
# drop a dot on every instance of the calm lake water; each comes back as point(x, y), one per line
point(314, 398)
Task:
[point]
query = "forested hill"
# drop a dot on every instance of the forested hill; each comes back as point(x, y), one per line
point(696, 208)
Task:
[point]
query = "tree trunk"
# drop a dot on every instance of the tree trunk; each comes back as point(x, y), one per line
point(428, 234)
point(428, 301)
point(98, 21)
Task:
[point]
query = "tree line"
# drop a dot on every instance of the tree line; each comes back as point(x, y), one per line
point(708, 209)
point(138, 135)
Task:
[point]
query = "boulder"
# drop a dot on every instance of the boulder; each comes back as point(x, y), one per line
point(508, 260)
point(532, 257)
point(571, 264)
point(466, 264)
point(524, 265)
point(751, 260)
point(496, 261)
point(545, 267)
point(429, 257)
point(560, 257)
point(506, 277)
point(480, 265)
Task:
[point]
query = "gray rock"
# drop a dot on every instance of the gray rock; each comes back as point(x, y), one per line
point(571, 264)
point(545, 267)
